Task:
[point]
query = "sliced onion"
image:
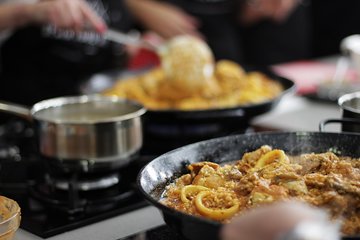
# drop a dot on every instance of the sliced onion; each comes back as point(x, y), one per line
point(214, 213)
point(271, 157)
point(191, 189)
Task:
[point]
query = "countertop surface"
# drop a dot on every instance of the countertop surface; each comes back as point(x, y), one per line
point(110, 229)
point(295, 113)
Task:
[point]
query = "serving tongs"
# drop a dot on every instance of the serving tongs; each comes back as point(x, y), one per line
point(128, 39)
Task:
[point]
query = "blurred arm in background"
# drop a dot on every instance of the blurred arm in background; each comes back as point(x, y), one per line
point(255, 32)
point(254, 11)
point(169, 20)
point(165, 19)
point(71, 14)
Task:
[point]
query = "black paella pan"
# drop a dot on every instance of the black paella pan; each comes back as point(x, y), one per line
point(101, 81)
point(158, 173)
point(168, 129)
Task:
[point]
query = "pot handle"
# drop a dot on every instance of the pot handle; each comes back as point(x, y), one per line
point(16, 109)
point(323, 123)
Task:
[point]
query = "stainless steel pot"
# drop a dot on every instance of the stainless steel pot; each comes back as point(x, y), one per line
point(85, 130)
point(350, 106)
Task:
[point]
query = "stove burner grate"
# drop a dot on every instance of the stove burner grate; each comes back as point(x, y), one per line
point(74, 204)
point(44, 221)
point(84, 184)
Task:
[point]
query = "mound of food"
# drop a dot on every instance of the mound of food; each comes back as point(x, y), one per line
point(231, 86)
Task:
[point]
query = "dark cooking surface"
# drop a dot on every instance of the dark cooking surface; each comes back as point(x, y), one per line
point(46, 213)
point(46, 218)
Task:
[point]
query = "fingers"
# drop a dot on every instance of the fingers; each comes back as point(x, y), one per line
point(165, 19)
point(70, 14)
point(91, 17)
point(188, 26)
point(62, 14)
point(193, 21)
point(277, 10)
point(284, 9)
point(75, 17)
point(182, 24)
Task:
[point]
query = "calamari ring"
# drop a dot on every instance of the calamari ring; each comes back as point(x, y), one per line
point(191, 189)
point(215, 214)
point(270, 157)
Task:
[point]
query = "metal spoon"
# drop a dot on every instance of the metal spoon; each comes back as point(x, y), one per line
point(127, 39)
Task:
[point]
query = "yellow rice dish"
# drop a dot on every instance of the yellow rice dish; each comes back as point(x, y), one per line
point(231, 86)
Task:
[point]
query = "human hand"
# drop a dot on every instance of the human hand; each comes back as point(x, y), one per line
point(70, 14)
point(277, 220)
point(165, 19)
point(283, 9)
point(276, 10)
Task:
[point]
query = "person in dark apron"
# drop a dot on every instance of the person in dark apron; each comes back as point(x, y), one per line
point(264, 41)
point(44, 62)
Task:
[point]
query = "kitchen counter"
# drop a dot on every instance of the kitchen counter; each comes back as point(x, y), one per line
point(110, 229)
point(295, 113)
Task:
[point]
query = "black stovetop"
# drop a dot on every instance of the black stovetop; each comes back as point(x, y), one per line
point(46, 216)
point(45, 211)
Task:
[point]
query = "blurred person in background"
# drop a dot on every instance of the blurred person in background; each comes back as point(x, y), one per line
point(257, 32)
point(49, 46)
point(62, 14)
point(282, 221)
point(332, 21)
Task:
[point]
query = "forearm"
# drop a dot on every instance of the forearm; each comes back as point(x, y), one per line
point(68, 14)
point(140, 8)
point(15, 15)
point(253, 11)
point(165, 19)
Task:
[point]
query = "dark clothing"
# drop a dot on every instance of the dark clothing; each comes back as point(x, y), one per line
point(268, 42)
point(40, 63)
point(222, 35)
point(333, 21)
point(207, 7)
point(263, 43)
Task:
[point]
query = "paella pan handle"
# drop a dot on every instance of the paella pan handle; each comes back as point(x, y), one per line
point(16, 109)
point(323, 123)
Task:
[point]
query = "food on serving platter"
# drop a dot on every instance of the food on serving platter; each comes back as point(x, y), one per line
point(232, 87)
point(9, 218)
point(267, 175)
point(189, 64)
